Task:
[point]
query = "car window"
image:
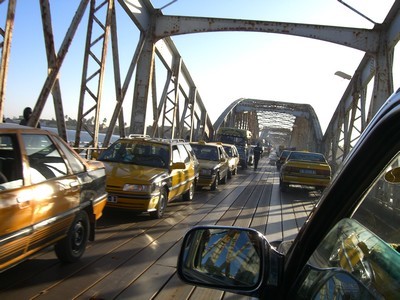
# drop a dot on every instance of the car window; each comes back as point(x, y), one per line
point(367, 245)
point(189, 149)
point(75, 164)
point(10, 162)
point(44, 159)
point(184, 154)
point(176, 156)
point(350, 248)
point(380, 209)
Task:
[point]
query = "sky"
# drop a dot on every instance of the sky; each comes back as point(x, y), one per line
point(224, 66)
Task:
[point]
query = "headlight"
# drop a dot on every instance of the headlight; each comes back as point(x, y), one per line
point(207, 172)
point(143, 188)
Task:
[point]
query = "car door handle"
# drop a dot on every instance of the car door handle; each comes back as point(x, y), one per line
point(74, 184)
point(23, 202)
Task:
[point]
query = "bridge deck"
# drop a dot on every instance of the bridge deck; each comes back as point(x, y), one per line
point(135, 256)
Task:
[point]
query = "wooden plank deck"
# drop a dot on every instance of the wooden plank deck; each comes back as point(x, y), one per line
point(134, 257)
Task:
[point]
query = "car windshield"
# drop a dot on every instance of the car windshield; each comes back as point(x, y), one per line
point(205, 152)
point(284, 154)
point(138, 153)
point(313, 157)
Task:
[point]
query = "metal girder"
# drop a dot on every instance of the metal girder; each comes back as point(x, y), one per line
point(97, 32)
point(357, 38)
point(54, 73)
point(353, 113)
point(51, 60)
point(5, 44)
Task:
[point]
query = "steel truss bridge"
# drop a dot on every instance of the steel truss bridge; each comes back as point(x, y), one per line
point(178, 111)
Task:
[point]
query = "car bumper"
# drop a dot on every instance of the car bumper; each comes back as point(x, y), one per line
point(139, 203)
point(98, 206)
point(310, 181)
point(205, 180)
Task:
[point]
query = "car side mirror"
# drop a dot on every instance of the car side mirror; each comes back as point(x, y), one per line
point(227, 258)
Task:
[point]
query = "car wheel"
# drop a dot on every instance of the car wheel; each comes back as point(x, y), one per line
point(224, 179)
point(71, 248)
point(161, 205)
point(283, 186)
point(188, 195)
point(214, 185)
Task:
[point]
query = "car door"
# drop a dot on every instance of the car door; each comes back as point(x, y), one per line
point(177, 175)
point(55, 190)
point(188, 173)
point(16, 209)
point(224, 163)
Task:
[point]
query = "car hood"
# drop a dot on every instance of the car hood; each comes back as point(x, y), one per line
point(208, 164)
point(122, 173)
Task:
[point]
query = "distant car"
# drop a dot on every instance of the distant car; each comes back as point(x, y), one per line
point(233, 157)
point(49, 195)
point(214, 164)
point(282, 158)
point(144, 174)
point(306, 169)
point(348, 248)
point(272, 158)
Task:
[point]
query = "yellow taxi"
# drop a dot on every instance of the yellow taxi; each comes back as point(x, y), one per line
point(233, 159)
point(214, 164)
point(306, 169)
point(49, 195)
point(144, 174)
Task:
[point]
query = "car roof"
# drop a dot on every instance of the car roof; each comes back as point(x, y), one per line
point(210, 144)
point(13, 127)
point(149, 139)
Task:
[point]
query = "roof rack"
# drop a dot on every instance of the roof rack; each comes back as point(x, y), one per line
point(138, 135)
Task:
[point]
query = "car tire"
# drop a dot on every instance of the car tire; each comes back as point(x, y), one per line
point(161, 206)
point(224, 179)
point(214, 185)
point(188, 195)
point(283, 186)
point(234, 172)
point(71, 248)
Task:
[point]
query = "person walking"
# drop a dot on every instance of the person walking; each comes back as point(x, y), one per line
point(27, 114)
point(257, 154)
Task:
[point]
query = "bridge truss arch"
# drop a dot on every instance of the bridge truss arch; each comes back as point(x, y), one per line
point(280, 123)
point(178, 110)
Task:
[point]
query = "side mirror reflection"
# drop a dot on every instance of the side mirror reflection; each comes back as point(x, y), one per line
point(222, 257)
point(393, 176)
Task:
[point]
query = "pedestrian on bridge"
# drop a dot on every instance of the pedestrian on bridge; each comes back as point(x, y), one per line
point(257, 154)
point(27, 114)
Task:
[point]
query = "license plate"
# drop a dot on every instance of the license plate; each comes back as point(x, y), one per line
point(112, 199)
point(306, 171)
